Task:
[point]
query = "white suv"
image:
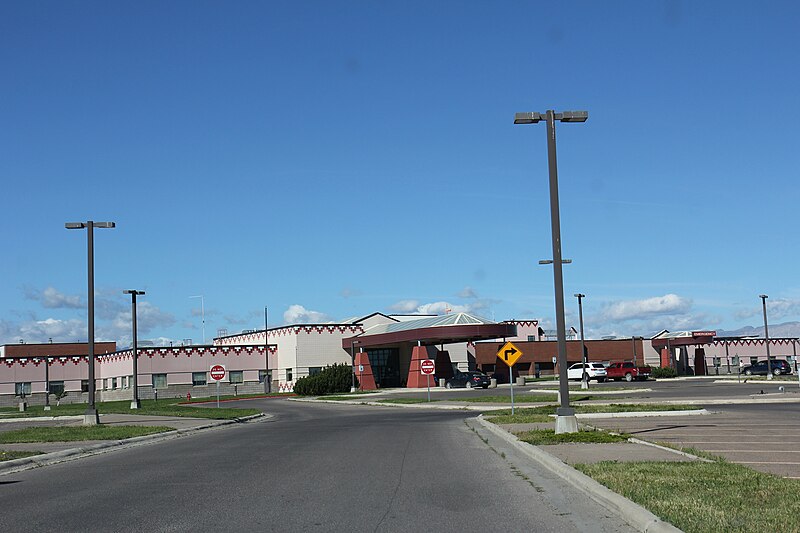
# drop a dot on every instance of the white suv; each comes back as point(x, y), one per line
point(595, 371)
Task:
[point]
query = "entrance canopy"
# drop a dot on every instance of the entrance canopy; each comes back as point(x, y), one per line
point(446, 329)
point(682, 338)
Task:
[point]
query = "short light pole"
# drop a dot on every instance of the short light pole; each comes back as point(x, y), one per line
point(766, 334)
point(135, 404)
point(565, 415)
point(46, 383)
point(353, 364)
point(90, 416)
point(202, 314)
point(584, 358)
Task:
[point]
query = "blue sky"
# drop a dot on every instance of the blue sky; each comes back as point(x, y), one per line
point(332, 159)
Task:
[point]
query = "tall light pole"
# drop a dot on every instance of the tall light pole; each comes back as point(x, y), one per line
point(267, 384)
point(353, 363)
point(565, 415)
point(766, 333)
point(135, 404)
point(90, 416)
point(202, 314)
point(584, 358)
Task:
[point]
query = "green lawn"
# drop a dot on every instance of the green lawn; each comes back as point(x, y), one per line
point(78, 433)
point(168, 407)
point(705, 497)
point(522, 398)
point(10, 455)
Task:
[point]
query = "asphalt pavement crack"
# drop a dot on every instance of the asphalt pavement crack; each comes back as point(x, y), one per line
point(397, 487)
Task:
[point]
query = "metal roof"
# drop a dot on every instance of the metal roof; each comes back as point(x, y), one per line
point(452, 319)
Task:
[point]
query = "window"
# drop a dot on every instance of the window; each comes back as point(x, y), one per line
point(264, 374)
point(288, 374)
point(236, 376)
point(159, 381)
point(113, 383)
point(56, 387)
point(22, 389)
point(314, 370)
point(84, 385)
point(124, 382)
point(199, 378)
point(105, 384)
point(130, 381)
point(753, 360)
point(531, 338)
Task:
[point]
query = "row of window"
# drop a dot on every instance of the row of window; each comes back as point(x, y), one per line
point(158, 381)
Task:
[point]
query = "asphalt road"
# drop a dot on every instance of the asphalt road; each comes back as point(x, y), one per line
point(310, 468)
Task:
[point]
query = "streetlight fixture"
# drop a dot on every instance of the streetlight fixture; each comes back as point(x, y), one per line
point(565, 415)
point(766, 334)
point(202, 314)
point(135, 404)
point(584, 357)
point(90, 416)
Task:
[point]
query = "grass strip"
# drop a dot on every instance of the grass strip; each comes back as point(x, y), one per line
point(521, 398)
point(10, 455)
point(78, 433)
point(149, 407)
point(705, 497)
point(406, 400)
point(517, 418)
point(549, 436)
point(601, 408)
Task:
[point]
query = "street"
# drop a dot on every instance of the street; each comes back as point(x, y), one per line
point(310, 467)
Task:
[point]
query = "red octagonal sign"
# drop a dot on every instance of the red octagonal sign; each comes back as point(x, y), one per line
point(217, 372)
point(427, 366)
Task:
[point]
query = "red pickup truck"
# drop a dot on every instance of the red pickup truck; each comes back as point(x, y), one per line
point(627, 371)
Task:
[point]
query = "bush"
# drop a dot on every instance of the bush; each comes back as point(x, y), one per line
point(665, 372)
point(332, 380)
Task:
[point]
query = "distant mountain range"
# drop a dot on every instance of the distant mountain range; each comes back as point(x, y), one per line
point(787, 329)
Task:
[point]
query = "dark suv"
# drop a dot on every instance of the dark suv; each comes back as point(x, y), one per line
point(777, 366)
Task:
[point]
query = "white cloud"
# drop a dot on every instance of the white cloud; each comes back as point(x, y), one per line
point(405, 306)
point(297, 314)
point(51, 298)
point(669, 304)
point(467, 292)
point(777, 309)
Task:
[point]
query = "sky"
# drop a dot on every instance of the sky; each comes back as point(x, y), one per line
point(327, 160)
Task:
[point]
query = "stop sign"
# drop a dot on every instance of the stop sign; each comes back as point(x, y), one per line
point(217, 372)
point(427, 366)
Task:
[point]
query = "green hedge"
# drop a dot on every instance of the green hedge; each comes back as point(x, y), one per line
point(332, 380)
point(666, 372)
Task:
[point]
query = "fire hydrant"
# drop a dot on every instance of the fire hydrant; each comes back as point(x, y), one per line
point(188, 395)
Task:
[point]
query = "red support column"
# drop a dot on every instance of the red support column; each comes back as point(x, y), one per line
point(365, 377)
point(416, 379)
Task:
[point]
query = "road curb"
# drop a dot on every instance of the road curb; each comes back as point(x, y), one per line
point(633, 513)
point(45, 459)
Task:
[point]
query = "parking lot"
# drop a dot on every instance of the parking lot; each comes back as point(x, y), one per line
point(763, 437)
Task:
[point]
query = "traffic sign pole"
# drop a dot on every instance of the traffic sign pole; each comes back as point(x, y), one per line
point(509, 355)
point(429, 388)
point(511, 382)
point(217, 394)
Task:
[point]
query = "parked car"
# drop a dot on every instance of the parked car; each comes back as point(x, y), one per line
point(627, 371)
point(778, 367)
point(468, 380)
point(595, 371)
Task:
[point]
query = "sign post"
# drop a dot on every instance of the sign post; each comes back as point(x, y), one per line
point(218, 374)
point(427, 367)
point(509, 355)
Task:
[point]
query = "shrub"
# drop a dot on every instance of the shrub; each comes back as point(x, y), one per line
point(333, 379)
point(665, 372)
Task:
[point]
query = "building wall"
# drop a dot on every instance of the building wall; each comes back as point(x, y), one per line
point(114, 372)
